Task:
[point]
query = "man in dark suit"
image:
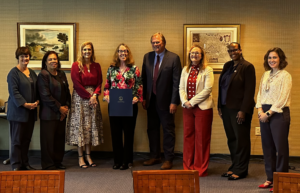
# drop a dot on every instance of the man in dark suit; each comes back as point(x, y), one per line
point(161, 76)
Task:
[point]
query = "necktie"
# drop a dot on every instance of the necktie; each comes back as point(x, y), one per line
point(155, 74)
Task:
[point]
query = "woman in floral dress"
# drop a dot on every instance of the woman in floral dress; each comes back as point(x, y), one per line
point(84, 126)
point(123, 74)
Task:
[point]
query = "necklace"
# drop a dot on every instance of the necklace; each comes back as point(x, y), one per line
point(270, 79)
point(122, 70)
point(25, 71)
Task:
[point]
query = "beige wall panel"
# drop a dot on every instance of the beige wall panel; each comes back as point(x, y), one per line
point(264, 24)
point(9, 13)
point(144, 18)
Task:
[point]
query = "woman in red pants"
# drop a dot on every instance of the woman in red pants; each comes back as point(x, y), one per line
point(195, 92)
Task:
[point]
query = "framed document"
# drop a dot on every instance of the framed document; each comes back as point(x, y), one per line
point(120, 102)
point(213, 39)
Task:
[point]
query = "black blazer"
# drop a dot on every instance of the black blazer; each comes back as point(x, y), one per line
point(19, 89)
point(167, 85)
point(241, 89)
point(50, 94)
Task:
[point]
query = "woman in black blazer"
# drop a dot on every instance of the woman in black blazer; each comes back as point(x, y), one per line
point(55, 103)
point(235, 107)
point(21, 110)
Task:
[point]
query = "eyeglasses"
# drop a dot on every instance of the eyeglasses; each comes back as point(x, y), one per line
point(195, 53)
point(231, 51)
point(155, 43)
point(123, 51)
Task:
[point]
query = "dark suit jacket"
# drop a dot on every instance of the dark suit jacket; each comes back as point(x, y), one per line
point(241, 89)
point(167, 85)
point(19, 88)
point(50, 94)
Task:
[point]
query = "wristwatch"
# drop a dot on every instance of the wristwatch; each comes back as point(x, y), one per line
point(268, 114)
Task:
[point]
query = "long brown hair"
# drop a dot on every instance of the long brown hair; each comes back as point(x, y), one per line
point(203, 62)
point(80, 57)
point(116, 61)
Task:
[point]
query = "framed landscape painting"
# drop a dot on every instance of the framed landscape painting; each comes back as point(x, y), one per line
point(213, 39)
point(43, 37)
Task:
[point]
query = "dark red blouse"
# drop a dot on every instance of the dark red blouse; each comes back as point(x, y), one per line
point(92, 78)
point(192, 80)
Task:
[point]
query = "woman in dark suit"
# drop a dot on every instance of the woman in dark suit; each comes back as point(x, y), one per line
point(235, 106)
point(123, 74)
point(21, 110)
point(55, 104)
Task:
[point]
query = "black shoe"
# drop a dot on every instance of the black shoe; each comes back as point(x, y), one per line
point(28, 168)
point(83, 166)
point(235, 178)
point(17, 169)
point(226, 175)
point(60, 166)
point(92, 164)
point(124, 167)
point(116, 166)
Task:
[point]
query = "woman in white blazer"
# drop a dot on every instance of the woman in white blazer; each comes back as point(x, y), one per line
point(195, 91)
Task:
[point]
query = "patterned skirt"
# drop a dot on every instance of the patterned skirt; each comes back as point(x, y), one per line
point(84, 125)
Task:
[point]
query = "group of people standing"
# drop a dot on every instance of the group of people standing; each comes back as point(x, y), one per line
point(160, 87)
point(235, 106)
point(50, 89)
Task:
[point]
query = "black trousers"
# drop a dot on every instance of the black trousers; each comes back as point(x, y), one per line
point(20, 133)
point(274, 138)
point(238, 140)
point(123, 154)
point(52, 135)
point(156, 117)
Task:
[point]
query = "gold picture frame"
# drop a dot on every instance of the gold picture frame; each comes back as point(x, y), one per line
point(43, 37)
point(213, 39)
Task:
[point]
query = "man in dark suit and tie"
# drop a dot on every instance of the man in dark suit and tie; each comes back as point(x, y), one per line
point(161, 76)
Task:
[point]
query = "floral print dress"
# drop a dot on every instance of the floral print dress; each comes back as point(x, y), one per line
point(130, 79)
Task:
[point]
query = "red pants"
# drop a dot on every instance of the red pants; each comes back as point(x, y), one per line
point(197, 133)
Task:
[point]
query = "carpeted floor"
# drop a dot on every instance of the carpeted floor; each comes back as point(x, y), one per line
point(103, 179)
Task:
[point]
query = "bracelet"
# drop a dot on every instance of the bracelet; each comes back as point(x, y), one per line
point(95, 94)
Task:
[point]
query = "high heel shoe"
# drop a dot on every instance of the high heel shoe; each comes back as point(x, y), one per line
point(83, 166)
point(267, 184)
point(235, 177)
point(116, 166)
point(226, 174)
point(124, 167)
point(92, 164)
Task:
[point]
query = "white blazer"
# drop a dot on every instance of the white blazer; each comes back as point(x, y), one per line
point(203, 97)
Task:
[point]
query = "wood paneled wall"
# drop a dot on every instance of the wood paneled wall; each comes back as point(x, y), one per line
point(264, 24)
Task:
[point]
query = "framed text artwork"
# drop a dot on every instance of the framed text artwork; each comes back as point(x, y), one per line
point(43, 37)
point(213, 39)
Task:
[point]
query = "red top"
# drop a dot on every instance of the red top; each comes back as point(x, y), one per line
point(92, 78)
point(192, 80)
